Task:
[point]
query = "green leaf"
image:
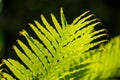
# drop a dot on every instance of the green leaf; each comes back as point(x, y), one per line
point(110, 59)
point(60, 53)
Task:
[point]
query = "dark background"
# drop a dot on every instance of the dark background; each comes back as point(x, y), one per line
point(16, 14)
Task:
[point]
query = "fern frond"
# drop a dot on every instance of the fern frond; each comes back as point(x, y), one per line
point(62, 53)
point(110, 59)
point(19, 70)
point(107, 64)
point(7, 77)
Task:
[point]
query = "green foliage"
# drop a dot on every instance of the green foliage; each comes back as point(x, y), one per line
point(64, 52)
point(107, 64)
point(110, 68)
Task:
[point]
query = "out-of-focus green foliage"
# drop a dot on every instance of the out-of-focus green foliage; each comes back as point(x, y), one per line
point(107, 63)
point(110, 61)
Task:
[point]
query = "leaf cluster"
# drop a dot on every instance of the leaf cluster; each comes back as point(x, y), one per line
point(65, 51)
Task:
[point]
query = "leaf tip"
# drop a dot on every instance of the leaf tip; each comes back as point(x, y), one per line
point(42, 16)
point(2, 62)
point(17, 41)
point(87, 11)
point(14, 45)
point(106, 31)
point(35, 21)
point(21, 32)
point(29, 24)
point(51, 13)
point(61, 10)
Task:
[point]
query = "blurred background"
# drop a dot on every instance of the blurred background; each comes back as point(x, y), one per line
point(16, 14)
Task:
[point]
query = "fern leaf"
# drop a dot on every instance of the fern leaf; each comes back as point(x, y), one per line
point(78, 18)
point(47, 34)
point(7, 76)
point(25, 59)
point(107, 64)
point(44, 40)
point(15, 70)
point(57, 25)
point(50, 28)
point(62, 53)
point(32, 57)
point(110, 59)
